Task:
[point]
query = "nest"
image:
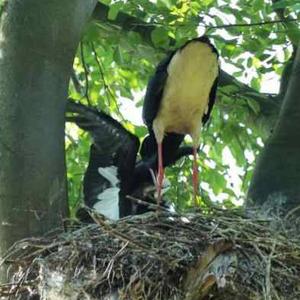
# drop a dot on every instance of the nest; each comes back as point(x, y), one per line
point(216, 255)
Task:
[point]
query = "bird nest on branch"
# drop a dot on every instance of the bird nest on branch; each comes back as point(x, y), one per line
point(213, 255)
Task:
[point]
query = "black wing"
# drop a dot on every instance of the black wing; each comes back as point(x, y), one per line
point(213, 91)
point(155, 90)
point(211, 101)
point(144, 187)
point(171, 143)
point(113, 145)
point(107, 133)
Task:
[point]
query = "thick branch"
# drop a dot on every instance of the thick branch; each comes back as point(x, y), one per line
point(124, 22)
point(280, 157)
point(269, 104)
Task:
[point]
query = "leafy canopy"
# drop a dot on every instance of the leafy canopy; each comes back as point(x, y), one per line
point(113, 66)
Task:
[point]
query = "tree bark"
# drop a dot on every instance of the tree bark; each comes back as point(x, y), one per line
point(38, 40)
point(277, 173)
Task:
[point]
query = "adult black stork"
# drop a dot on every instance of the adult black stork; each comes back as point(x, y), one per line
point(113, 171)
point(179, 100)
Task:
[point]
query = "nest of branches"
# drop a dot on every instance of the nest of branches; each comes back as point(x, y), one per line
point(214, 255)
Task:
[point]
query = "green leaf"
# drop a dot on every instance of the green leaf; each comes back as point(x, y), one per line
point(219, 183)
point(254, 106)
point(237, 74)
point(118, 57)
point(258, 4)
point(140, 131)
point(164, 3)
point(249, 62)
point(255, 83)
point(159, 37)
point(91, 32)
point(114, 10)
point(296, 7)
point(293, 32)
point(283, 3)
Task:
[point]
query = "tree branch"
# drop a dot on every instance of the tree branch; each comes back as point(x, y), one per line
point(86, 75)
point(253, 24)
point(280, 157)
point(292, 31)
point(76, 83)
point(124, 22)
point(208, 27)
point(293, 34)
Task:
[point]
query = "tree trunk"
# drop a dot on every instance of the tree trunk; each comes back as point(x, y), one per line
point(277, 173)
point(37, 46)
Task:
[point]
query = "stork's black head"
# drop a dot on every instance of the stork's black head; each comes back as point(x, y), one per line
point(203, 39)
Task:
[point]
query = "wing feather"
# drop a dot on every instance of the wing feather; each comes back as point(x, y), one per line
point(113, 146)
point(155, 91)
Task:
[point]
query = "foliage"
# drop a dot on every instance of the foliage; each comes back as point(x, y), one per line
point(113, 66)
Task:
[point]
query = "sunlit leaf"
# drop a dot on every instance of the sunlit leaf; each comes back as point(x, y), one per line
point(118, 56)
point(255, 83)
point(160, 37)
point(254, 106)
point(114, 10)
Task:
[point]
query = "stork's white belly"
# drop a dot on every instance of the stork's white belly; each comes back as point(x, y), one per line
point(191, 74)
point(108, 204)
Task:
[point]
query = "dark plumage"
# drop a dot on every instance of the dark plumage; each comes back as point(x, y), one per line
point(113, 146)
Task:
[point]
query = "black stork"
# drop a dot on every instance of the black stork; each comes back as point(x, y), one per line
point(179, 100)
point(112, 160)
point(113, 171)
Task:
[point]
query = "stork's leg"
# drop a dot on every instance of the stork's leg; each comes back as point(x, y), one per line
point(160, 174)
point(195, 175)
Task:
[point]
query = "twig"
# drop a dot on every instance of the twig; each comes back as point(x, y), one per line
point(136, 253)
point(209, 27)
point(291, 212)
point(268, 282)
point(107, 89)
point(76, 83)
point(100, 220)
point(250, 24)
point(150, 205)
point(106, 86)
point(86, 73)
